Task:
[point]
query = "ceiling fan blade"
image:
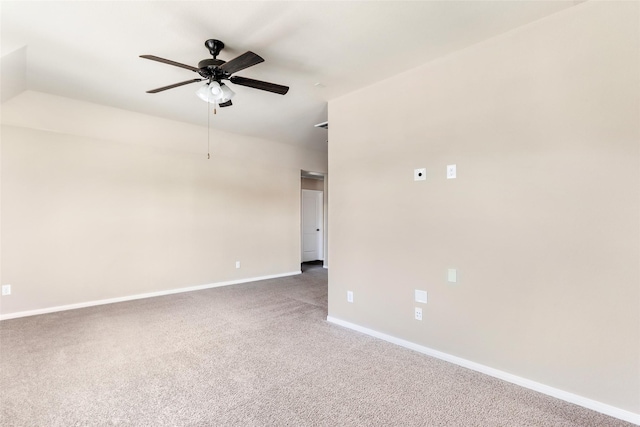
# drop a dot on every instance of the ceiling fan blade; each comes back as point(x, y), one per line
point(246, 60)
point(170, 62)
point(160, 89)
point(257, 84)
point(225, 104)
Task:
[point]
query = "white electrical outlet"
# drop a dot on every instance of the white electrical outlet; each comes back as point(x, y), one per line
point(452, 275)
point(451, 171)
point(418, 313)
point(349, 296)
point(237, 264)
point(421, 296)
point(6, 290)
point(420, 174)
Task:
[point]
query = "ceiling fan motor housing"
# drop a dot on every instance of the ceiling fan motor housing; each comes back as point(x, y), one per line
point(209, 69)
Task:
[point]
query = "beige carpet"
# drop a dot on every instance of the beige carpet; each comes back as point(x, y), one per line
point(254, 354)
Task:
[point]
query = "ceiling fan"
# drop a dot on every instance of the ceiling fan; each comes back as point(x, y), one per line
point(215, 70)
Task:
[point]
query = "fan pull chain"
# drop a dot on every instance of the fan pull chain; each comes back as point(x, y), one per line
point(208, 136)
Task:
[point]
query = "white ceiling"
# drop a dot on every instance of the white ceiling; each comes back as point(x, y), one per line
point(89, 50)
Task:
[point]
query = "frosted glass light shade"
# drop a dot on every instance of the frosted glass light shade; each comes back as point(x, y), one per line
point(227, 93)
point(216, 91)
point(205, 94)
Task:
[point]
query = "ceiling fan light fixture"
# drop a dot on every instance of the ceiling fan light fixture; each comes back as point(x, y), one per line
point(215, 93)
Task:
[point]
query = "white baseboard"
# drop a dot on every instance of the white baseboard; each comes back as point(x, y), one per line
point(542, 388)
point(141, 296)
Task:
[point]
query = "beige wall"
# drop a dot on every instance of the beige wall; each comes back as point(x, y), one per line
point(103, 203)
point(12, 73)
point(542, 222)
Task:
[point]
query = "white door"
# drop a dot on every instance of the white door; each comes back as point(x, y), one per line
point(312, 221)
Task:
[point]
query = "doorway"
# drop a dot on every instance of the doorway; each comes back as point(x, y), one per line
point(313, 218)
point(312, 225)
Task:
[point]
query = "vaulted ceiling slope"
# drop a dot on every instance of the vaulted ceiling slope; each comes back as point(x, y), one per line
point(89, 50)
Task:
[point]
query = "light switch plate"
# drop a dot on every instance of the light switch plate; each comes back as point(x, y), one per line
point(452, 275)
point(451, 171)
point(421, 296)
point(6, 290)
point(420, 174)
point(349, 296)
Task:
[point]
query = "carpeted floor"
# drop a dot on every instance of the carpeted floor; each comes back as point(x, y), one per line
point(253, 354)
